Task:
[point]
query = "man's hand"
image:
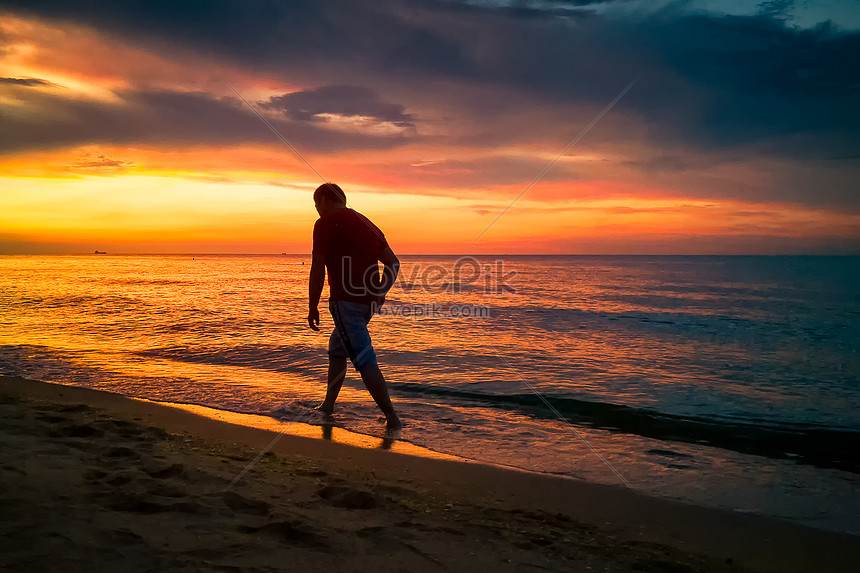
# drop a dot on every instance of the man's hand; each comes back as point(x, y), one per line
point(315, 286)
point(314, 319)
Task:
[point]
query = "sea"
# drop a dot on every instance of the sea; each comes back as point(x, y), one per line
point(723, 381)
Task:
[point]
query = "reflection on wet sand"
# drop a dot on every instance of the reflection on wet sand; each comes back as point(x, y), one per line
point(327, 431)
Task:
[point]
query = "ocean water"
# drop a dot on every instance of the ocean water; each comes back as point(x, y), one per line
point(731, 382)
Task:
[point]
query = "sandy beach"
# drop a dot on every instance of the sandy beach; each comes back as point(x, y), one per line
point(94, 481)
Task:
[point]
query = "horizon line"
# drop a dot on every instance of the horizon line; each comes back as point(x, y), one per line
point(309, 255)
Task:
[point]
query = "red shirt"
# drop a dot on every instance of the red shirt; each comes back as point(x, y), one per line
point(351, 247)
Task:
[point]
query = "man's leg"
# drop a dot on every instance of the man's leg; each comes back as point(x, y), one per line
point(351, 333)
point(375, 383)
point(336, 374)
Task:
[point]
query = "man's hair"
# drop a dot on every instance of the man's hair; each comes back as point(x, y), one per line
point(331, 192)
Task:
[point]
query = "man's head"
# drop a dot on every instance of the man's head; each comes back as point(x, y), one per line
point(329, 197)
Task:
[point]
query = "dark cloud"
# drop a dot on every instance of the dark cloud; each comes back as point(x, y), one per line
point(849, 157)
point(707, 80)
point(776, 9)
point(752, 79)
point(544, 9)
point(167, 118)
point(274, 34)
point(711, 86)
point(349, 101)
point(26, 82)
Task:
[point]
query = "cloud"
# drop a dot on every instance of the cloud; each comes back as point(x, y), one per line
point(342, 100)
point(320, 104)
point(99, 163)
point(753, 80)
point(709, 81)
point(166, 118)
point(727, 105)
point(776, 9)
point(26, 82)
point(274, 35)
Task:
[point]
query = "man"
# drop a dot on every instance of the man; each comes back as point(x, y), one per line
point(348, 246)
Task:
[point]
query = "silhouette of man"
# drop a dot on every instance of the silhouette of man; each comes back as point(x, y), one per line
point(348, 247)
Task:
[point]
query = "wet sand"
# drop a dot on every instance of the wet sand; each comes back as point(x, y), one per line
point(94, 481)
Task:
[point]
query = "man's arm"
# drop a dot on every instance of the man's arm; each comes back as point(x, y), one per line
point(391, 268)
point(315, 287)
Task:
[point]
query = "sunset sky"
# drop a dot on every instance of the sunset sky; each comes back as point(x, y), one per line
point(741, 135)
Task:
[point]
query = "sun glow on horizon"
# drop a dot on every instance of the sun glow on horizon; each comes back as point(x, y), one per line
point(153, 151)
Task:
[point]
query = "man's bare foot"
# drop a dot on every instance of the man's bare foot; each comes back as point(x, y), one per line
point(393, 425)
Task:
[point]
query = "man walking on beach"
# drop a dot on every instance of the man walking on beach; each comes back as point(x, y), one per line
point(348, 246)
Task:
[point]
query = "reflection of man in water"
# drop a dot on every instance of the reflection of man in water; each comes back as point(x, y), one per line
point(348, 246)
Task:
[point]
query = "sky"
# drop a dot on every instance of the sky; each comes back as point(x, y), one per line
point(132, 127)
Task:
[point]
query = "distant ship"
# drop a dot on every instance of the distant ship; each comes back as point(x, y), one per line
point(98, 252)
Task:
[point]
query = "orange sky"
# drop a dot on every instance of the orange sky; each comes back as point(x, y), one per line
point(126, 145)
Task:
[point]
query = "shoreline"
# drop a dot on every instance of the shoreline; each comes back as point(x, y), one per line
point(626, 525)
point(323, 431)
point(338, 435)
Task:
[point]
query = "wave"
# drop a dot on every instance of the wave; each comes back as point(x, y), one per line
point(814, 445)
point(817, 445)
point(820, 446)
point(293, 358)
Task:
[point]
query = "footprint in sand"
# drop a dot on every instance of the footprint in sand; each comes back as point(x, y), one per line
point(242, 504)
point(292, 531)
point(343, 495)
point(119, 479)
point(146, 504)
point(78, 431)
point(167, 490)
point(121, 452)
point(161, 470)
